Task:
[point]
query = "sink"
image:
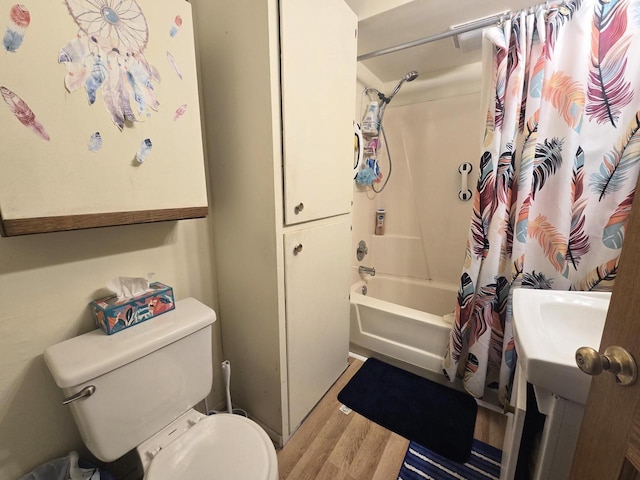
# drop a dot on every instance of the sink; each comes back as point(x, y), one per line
point(549, 326)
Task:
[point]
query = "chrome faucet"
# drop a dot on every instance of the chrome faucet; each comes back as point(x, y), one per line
point(367, 270)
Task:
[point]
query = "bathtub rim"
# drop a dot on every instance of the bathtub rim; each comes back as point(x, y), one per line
point(357, 298)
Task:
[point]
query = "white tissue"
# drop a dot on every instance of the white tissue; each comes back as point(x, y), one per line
point(127, 287)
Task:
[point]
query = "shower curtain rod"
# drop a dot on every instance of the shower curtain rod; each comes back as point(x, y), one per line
point(457, 30)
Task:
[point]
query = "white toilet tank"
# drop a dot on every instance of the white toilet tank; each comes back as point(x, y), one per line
point(144, 377)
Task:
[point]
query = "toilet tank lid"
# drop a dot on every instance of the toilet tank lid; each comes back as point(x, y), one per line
point(83, 358)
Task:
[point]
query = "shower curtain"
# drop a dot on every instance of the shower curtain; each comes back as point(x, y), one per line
point(557, 173)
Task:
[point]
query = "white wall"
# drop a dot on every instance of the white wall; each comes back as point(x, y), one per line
point(434, 126)
point(46, 283)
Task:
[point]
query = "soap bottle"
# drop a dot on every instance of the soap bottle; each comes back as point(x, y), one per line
point(370, 121)
point(380, 213)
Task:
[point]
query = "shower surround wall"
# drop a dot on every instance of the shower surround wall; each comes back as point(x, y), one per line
point(426, 225)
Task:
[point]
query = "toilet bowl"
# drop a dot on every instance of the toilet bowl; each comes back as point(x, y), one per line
point(231, 446)
point(136, 390)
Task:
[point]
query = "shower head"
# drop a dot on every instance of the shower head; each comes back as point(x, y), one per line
point(409, 77)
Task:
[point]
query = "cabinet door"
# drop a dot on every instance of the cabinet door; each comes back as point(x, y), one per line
point(317, 309)
point(318, 55)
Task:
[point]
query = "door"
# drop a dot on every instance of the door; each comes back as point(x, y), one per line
point(609, 442)
point(317, 275)
point(318, 56)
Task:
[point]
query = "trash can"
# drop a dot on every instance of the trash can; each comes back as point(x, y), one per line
point(68, 468)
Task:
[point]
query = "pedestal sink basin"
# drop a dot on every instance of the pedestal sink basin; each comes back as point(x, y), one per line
point(549, 326)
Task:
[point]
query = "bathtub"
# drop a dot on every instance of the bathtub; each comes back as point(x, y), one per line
point(392, 319)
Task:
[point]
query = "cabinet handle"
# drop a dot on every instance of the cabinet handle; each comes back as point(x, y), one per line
point(298, 208)
point(297, 249)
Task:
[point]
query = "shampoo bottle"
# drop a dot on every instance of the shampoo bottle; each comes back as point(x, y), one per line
point(370, 121)
point(380, 213)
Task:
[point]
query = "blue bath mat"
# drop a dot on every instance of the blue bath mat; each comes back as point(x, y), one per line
point(438, 417)
point(420, 463)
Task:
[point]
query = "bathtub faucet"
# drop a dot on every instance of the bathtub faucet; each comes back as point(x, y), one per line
point(367, 270)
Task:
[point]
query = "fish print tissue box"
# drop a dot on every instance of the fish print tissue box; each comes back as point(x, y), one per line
point(113, 315)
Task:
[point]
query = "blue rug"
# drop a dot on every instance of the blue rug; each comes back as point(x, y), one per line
point(438, 417)
point(420, 464)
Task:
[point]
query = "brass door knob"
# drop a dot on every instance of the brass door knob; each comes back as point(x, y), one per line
point(615, 360)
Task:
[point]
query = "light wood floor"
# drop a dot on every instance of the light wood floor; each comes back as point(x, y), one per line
point(335, 446)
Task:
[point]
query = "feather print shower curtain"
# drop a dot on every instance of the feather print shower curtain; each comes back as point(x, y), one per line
point(557, 174)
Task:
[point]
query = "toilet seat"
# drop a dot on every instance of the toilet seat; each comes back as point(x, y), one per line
point(222, 446)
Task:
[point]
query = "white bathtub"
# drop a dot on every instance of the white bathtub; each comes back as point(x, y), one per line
point(392, 319)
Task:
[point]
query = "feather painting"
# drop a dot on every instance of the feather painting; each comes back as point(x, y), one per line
point(522, 222)
point(496, 343)
point(517, 268)
point(501, 85)
point(465, 297)
point(579, 244)
point(172, 61)
point(175, 26)
point(504, 175)
point(482, 314)
point(600, 278)
point(489, 129)
point(471, 367)
point(507, 251)
point(462, 311)
point(528, 151)
point(619, 163)
point(537, 280)
point(514, 54)
point(608, 91)
point(96, 78)
point(457, 342)
point(107, 56)
point(548, 160)
point(143, 152)
point(19, 20)
point(567, 97)
point(558, 16)
point(180, 111)
point(613, 233)
point(23, 113)
point(73, 55)
point(537, 76)
point(503, 287)
point(510, 355)
point(483, 206)
point(95, 142)
point(553, 244)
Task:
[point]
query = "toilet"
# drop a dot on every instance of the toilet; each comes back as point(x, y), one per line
point(136, 389)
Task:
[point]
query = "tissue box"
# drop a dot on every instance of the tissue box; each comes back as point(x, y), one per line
point(112, 315)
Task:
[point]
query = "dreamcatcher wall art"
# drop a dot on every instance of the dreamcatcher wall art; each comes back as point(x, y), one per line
point(107, 56)
point(68, 162)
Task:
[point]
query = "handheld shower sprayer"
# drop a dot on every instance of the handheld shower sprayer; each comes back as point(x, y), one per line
point(409, 77)
point(372, 124)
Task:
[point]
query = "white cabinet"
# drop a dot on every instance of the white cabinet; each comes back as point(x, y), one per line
point(318, 88)
point(314, 273)
point(278, 91)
